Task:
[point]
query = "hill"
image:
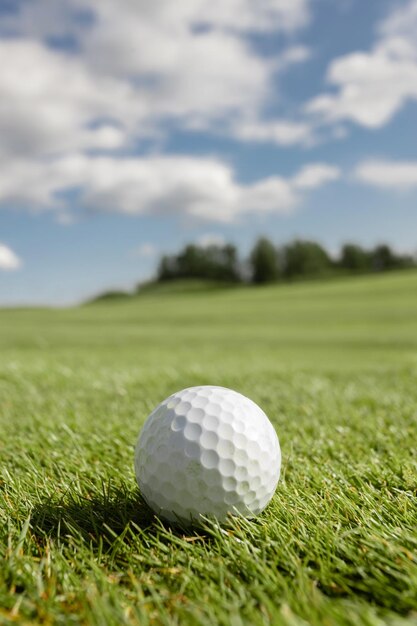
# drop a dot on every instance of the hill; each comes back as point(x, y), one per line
point(347, 322)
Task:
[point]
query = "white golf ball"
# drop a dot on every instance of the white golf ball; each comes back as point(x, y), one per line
point(207, 451)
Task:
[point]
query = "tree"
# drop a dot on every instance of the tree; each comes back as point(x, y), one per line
point(305, 258)
point(223, 262)
point(213, 262)
point(167, 269)
point(383, 259)
point(354, 258)
point(190, 262)
point(264, 262)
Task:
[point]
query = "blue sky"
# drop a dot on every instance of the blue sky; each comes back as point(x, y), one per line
point(128, 129)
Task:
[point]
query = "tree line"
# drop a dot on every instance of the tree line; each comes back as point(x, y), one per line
point(268, 263)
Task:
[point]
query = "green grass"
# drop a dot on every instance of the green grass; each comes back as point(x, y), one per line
point(333, 364)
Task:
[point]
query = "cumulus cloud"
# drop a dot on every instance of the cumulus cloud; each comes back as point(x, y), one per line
point(43, 18)
point(315, 175)
point(211, 239)
point(8, 259)
point(401, 22)
point(145, 251)
point(371, 87)
point(133, 67)
point(53, 108)
point(134, 71)
point(292, 56)
point(200, 188)
point(383, 174)
point(282, 132)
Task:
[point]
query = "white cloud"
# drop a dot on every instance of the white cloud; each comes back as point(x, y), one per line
point(395, 175)
point(315, 175)
point(292, 56)
point(200, 188)
point(211, 239)
point(65, 218)
point(8, 259)
point(137, 70)
point(371, 87)
point(245, 15)
point(401, 22)
point(283, 132)
point(51, 111)
point(136, 64)
point(42, 18)
point(145, 251)
point(181, 74)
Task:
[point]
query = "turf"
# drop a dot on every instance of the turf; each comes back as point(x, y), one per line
point(333, 364)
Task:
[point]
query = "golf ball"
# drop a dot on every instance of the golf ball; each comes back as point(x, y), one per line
point(207, 451)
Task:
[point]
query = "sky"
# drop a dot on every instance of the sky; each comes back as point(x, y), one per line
point(129, 128)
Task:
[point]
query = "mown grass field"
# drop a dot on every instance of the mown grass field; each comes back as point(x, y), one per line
point(333, 364)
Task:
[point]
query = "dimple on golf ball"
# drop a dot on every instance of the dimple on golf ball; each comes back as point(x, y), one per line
point(207, 451)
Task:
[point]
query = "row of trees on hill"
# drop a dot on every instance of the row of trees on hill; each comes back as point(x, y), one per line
point(212, 262)
point(269, 263)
